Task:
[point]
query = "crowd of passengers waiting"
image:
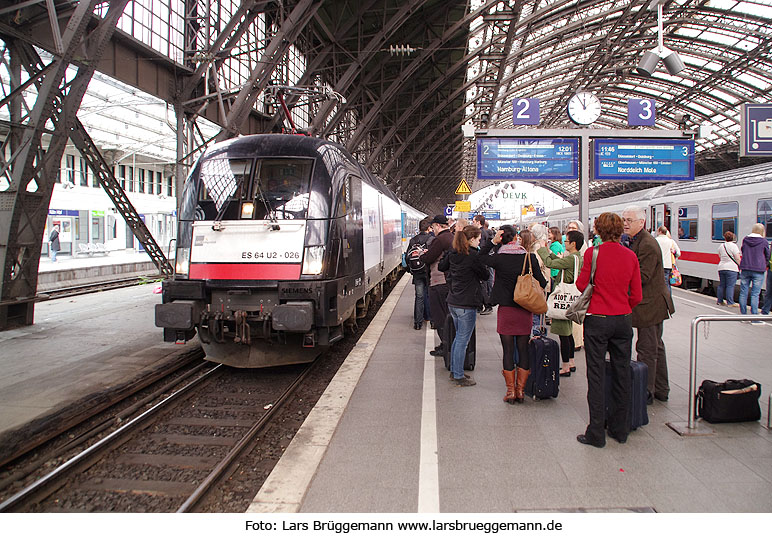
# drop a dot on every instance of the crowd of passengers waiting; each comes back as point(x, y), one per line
point(470, 268)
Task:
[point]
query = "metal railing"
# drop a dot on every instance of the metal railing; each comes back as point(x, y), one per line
point(691, 426)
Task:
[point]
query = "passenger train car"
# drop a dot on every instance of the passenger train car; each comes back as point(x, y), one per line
point(284, 241)
point(697, 213)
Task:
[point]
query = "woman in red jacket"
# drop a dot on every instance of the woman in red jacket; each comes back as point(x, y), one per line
point(608, 328)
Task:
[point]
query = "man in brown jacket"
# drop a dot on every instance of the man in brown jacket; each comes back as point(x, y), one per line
point(656, 306)
point(438, 288)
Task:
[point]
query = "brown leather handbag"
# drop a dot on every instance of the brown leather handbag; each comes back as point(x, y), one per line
point(528, 293)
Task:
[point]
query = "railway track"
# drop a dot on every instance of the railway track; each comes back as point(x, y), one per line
point(170, 457)
point(52, 294)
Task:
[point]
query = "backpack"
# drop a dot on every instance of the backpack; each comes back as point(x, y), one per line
point(414, 264)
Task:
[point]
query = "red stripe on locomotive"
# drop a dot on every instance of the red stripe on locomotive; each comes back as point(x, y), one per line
point(238, 271)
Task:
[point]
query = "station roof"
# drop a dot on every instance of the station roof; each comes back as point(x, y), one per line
point(413, 72)
point(470, 61)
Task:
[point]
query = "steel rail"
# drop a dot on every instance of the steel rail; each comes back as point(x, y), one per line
point(233, 454)
point(63, 469)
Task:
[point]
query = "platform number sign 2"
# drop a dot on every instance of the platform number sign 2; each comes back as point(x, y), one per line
point(525, 111)
point(641, 112)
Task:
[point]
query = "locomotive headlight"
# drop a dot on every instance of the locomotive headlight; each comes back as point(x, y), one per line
point(247, 210)
point(182, 264)
point(313, 258)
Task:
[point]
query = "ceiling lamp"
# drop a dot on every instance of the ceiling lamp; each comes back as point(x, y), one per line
point(650, 59)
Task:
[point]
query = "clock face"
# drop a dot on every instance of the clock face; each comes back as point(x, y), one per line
point(584, 108)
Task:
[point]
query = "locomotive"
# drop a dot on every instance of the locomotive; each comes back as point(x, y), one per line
point(284, 241)
point(697, 213)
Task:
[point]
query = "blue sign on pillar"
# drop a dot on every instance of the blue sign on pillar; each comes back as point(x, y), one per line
point(525, 111)
point(641, 113)
point(756, 130)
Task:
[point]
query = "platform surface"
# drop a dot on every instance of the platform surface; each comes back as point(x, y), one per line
point(409, 440)
point(77, 349)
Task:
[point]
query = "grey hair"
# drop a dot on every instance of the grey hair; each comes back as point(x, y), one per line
point(539, 231)
point(637, 211)
point(578, 224)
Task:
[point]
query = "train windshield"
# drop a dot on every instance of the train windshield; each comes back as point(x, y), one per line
point(223, 181)
point(278, 190)
point(282, 186)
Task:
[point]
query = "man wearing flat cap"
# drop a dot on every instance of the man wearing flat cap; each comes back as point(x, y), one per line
point(438, 288)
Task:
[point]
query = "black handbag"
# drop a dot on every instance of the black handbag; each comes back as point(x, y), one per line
point(729, 402)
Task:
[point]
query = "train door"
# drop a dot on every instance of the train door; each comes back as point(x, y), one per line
point(658, 213)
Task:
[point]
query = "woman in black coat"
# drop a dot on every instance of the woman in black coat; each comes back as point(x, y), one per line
point(513, 322)
point(464, 294)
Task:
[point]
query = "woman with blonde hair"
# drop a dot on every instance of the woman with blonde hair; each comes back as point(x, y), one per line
point(465, 294)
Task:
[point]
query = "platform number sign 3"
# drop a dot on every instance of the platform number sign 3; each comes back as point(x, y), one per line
point(641, 112)
point(525, 111)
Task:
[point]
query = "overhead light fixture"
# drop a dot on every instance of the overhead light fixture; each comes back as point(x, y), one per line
point(650, 59)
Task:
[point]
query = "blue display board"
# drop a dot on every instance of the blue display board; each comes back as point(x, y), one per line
point(527, 158)
point(647, 160)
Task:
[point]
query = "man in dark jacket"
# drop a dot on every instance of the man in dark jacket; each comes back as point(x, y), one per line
point(755, 252)
point(656, 306)
point(485, 236)
point(54, 240)
point(419, 244)
point(438, 288)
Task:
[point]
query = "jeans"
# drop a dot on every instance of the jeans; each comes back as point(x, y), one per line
point(668, 273)
point(464, 320)
point(768, 295)
point(421, 298)
point(727, 281)
point(53, 255)
point(755, 280)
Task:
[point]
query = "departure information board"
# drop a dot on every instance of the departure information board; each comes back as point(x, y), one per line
point(643, 159)
point(527, 158)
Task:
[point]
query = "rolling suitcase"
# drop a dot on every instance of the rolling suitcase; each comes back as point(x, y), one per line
point(449, 334)
point(544, 380)
point(637, 414)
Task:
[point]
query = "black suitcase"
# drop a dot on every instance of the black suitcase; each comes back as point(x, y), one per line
point(544, 380)
point(729, 402)
point(449, 334)
point(637, 412)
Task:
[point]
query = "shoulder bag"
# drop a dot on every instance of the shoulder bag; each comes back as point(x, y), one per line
point(578, 310)
point(563, 296)
point(528, 292)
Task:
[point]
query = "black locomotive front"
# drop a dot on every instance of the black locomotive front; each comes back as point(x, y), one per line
point(269, 264)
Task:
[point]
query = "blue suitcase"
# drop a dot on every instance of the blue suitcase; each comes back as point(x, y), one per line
point(637, 413)
point(544, 380)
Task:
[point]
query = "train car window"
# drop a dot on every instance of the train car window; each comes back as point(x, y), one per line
point(687, 222)
point(284, 184)
point(724, 218)
point(222, 181)
point(764, 216)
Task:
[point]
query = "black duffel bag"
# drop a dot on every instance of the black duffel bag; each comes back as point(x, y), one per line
point(729, 402)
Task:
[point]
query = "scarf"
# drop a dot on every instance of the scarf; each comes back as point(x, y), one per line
point(512, 248)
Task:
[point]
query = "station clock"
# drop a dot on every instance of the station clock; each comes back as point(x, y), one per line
point(584, 108)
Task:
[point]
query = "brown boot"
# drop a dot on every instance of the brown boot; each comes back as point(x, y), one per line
point(522, 377)
point(509, 378)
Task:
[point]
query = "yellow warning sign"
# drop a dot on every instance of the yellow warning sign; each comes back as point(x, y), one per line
point(463, 188)
point(463, 206)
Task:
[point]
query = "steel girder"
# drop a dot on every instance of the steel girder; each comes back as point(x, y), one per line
point(24, 205)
